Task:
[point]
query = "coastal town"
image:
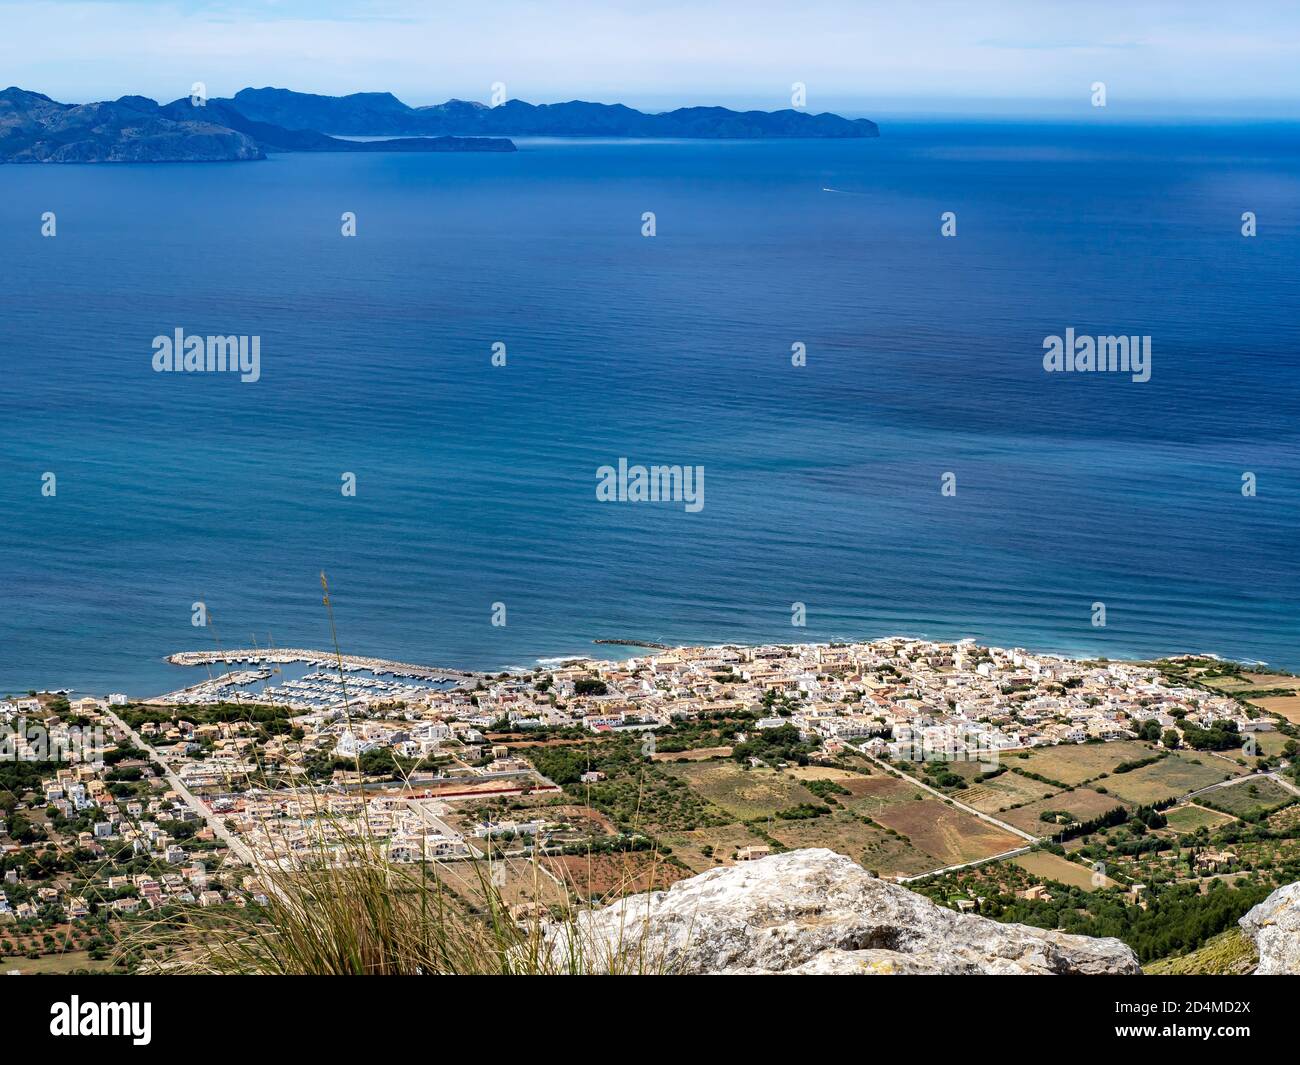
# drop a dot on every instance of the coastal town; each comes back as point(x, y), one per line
point(981, 769)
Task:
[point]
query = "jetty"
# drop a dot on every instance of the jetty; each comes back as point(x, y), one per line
point(323, 660)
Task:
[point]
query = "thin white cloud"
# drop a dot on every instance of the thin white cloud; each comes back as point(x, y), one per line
point(675, 52)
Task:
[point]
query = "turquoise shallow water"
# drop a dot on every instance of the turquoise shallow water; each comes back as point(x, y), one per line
point(477, 484)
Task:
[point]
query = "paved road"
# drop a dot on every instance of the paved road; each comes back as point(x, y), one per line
point(236, 845)
point(966, 865)
point(948, 798)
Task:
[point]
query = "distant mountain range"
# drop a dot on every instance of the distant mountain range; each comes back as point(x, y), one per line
point(134, 129)
point(381, 114)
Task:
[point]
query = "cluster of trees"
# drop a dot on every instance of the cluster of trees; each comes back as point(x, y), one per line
point(1031, 775)
point(941, 776)
point(826, 790)
point(805, 811)
point(636, 794)
point(1177, 920)
point(379, 762)
point(704, 730)
point(780, 744)
point(1220, 736)
point(1141, 763)
point(269, 720)
point(1115, 816)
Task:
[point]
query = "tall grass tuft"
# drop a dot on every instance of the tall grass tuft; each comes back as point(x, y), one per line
point(341, 907)
point(350, 911)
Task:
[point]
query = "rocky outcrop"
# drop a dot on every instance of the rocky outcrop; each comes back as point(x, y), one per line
point(36, 129)
point(1274, 927)
point(816, 912)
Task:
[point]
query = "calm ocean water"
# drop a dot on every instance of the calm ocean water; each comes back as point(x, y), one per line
point(477, 484)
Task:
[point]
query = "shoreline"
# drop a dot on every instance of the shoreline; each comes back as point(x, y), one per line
point(459, 676)
point(390, 667)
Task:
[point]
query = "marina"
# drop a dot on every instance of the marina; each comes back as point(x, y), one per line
point(309, 680)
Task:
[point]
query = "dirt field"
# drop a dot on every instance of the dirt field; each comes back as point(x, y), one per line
point(822, 772)
point(746, 795)
point(1254, 681)
point(700, 754)
point(53, 964)
point(688, 847)
point(1286, 705)
point(872, 795)
point(949, 835)
point(608, 876)
point(869, 846)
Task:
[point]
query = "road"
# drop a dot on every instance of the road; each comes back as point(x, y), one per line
point(948, 798)
point(237, 846)
point(966, 865)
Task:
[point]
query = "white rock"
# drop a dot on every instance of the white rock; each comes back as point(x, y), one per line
point(1274, 927)
point(815, 911)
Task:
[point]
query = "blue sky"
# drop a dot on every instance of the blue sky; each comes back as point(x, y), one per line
point(942, 56)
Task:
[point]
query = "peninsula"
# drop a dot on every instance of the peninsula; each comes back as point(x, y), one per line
point(256, 123)
point(135, 129)
point(381, 114)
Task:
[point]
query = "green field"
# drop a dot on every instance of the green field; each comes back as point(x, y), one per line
point(1003, 792)
point(871, 796)
point(1251, 794)
point(52, 964)
point(1053, 867)
point(1171, 777)
point(1189, 818)
point(1083, 803)
point(1073, 763)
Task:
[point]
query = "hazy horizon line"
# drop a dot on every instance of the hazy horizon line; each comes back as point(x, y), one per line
point(901, 106)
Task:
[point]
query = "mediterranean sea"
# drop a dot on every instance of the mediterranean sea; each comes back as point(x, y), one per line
point(476, 483)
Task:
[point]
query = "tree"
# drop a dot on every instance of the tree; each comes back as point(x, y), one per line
point(1171, 739)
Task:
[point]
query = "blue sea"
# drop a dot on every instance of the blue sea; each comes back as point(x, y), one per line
point(475, 484)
